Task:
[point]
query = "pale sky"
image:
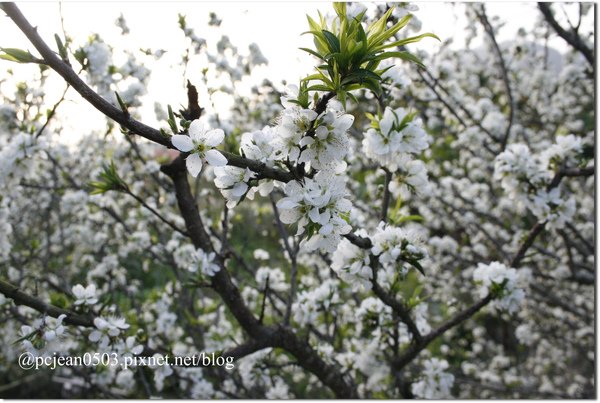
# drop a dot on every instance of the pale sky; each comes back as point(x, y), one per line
point(275, 26)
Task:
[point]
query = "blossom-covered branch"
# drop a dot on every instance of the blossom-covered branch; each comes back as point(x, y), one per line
point(21, 298)
point(113, 112)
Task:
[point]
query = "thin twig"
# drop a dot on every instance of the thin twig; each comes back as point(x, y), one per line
point(511, 103)
point(386, 195)
point(572, 38)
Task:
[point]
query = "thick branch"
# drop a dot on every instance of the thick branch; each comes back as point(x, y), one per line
point(574, 172)
point(21, 298)
point(221, 282)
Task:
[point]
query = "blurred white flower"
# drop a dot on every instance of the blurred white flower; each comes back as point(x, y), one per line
point(85, 296)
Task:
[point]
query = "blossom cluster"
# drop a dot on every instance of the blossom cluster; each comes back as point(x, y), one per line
point(393, 141)
point(396, 249)
point(502, 281)
point(526, 177)
point(320, 208)
point(435, 382)
point(189, 258)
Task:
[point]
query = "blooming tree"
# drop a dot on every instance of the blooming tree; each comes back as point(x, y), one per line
point(394, 225)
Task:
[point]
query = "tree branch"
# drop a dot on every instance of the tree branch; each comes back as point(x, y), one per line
point(572, 38)
point(21, 298)
point(398, 307)
point(511, 103)
point(114, 113)
point(386, 195)
point(273, 336)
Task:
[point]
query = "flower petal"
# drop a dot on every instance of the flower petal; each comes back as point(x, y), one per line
point(196, 129)
point(214, 137)
point(239, 189)
point(386, 122)
point(194, 164)
point(286, 204)
point(215, 158)
point(94, 336)
point(182, 142)
point(344, 122)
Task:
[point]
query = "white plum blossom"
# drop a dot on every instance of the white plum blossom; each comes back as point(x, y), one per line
point(354, 9)
point(43, 337)
point(17, 148)
point(295, 122)
point(435, 382)
point(309, 303)
point(161, 372)
point(233, 183)
point(276, 277)
point(319, 206)
point(565, 150)
point(396, 134)
point(549, 206)
point(413, 138)
point(105, 328)
point(98, 56)
point(192, 259)
point(85, 296)
point(5, 232)
point(200, 143)
point(279, 390)
point(396, 74)
point(474, 197)
point(516, 165)
point(396, 248)
point(412, 177)
point(260, 145)
point(290, 93)
point(261, 254)
point(496, 276)
point(206, 263)
point(526, 178)
point(330, 141)
point(53, 327)
point(256, 57)
point(131, 348)
point(352, 264)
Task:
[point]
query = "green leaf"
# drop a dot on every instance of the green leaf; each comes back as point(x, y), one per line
point(406, 218)
point(352, 97)
point(312, 52)
point(406, 41)
point(332, 41)
point(340, 9)
point(109, 180)
point(122, 104)
point(363, 75)
point(409, 57)
point(416, 264)
point(80, 56)
point(9, 58)
point(18, 55)
point(319, 88)
point(171, 121)
point(26, 337)
point(62, 51)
